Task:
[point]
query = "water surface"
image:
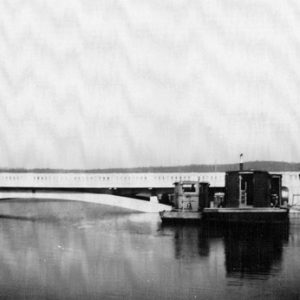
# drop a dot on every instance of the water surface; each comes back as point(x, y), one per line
point(73, 250)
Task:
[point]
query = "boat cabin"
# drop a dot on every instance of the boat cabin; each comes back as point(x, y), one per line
point(191, 195)
point(252, 189)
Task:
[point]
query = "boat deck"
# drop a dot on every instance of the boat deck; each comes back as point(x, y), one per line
point(181, 216)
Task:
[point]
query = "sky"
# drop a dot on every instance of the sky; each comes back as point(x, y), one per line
point(116, 83)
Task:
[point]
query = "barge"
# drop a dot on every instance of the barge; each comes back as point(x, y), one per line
point(249, 196)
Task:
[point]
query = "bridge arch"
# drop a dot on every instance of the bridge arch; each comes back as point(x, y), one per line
point(111, 200)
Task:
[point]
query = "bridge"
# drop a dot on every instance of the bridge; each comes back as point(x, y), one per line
point(137, 185)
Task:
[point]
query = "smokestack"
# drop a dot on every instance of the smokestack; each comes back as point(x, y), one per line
point(241, 162)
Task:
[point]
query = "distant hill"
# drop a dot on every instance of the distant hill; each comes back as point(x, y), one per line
point(274, 166)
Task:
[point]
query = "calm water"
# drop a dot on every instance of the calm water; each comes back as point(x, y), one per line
point(70, 250)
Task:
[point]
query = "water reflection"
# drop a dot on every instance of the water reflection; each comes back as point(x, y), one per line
point(255, 251)
point(189, 242)
point(251, 251)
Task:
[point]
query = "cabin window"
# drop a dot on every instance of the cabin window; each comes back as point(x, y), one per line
point(188, 188)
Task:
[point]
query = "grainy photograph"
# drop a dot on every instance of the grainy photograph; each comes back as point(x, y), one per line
point(149, 149)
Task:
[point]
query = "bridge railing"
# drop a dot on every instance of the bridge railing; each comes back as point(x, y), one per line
point(100, 180)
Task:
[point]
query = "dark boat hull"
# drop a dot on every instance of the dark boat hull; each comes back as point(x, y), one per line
point(246, 215)
point(228, 215)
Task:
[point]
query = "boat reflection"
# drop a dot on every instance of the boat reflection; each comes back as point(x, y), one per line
point(253, 252)
point(190, 242)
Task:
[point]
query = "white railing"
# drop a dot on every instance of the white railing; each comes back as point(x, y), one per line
point(101, 180)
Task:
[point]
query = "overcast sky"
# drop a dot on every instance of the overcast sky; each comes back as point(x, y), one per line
point(97, 84)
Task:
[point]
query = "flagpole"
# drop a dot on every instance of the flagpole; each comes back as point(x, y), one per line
point(241, 162)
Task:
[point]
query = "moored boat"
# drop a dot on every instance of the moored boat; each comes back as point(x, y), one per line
point(189, 200)
point(250, 196)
